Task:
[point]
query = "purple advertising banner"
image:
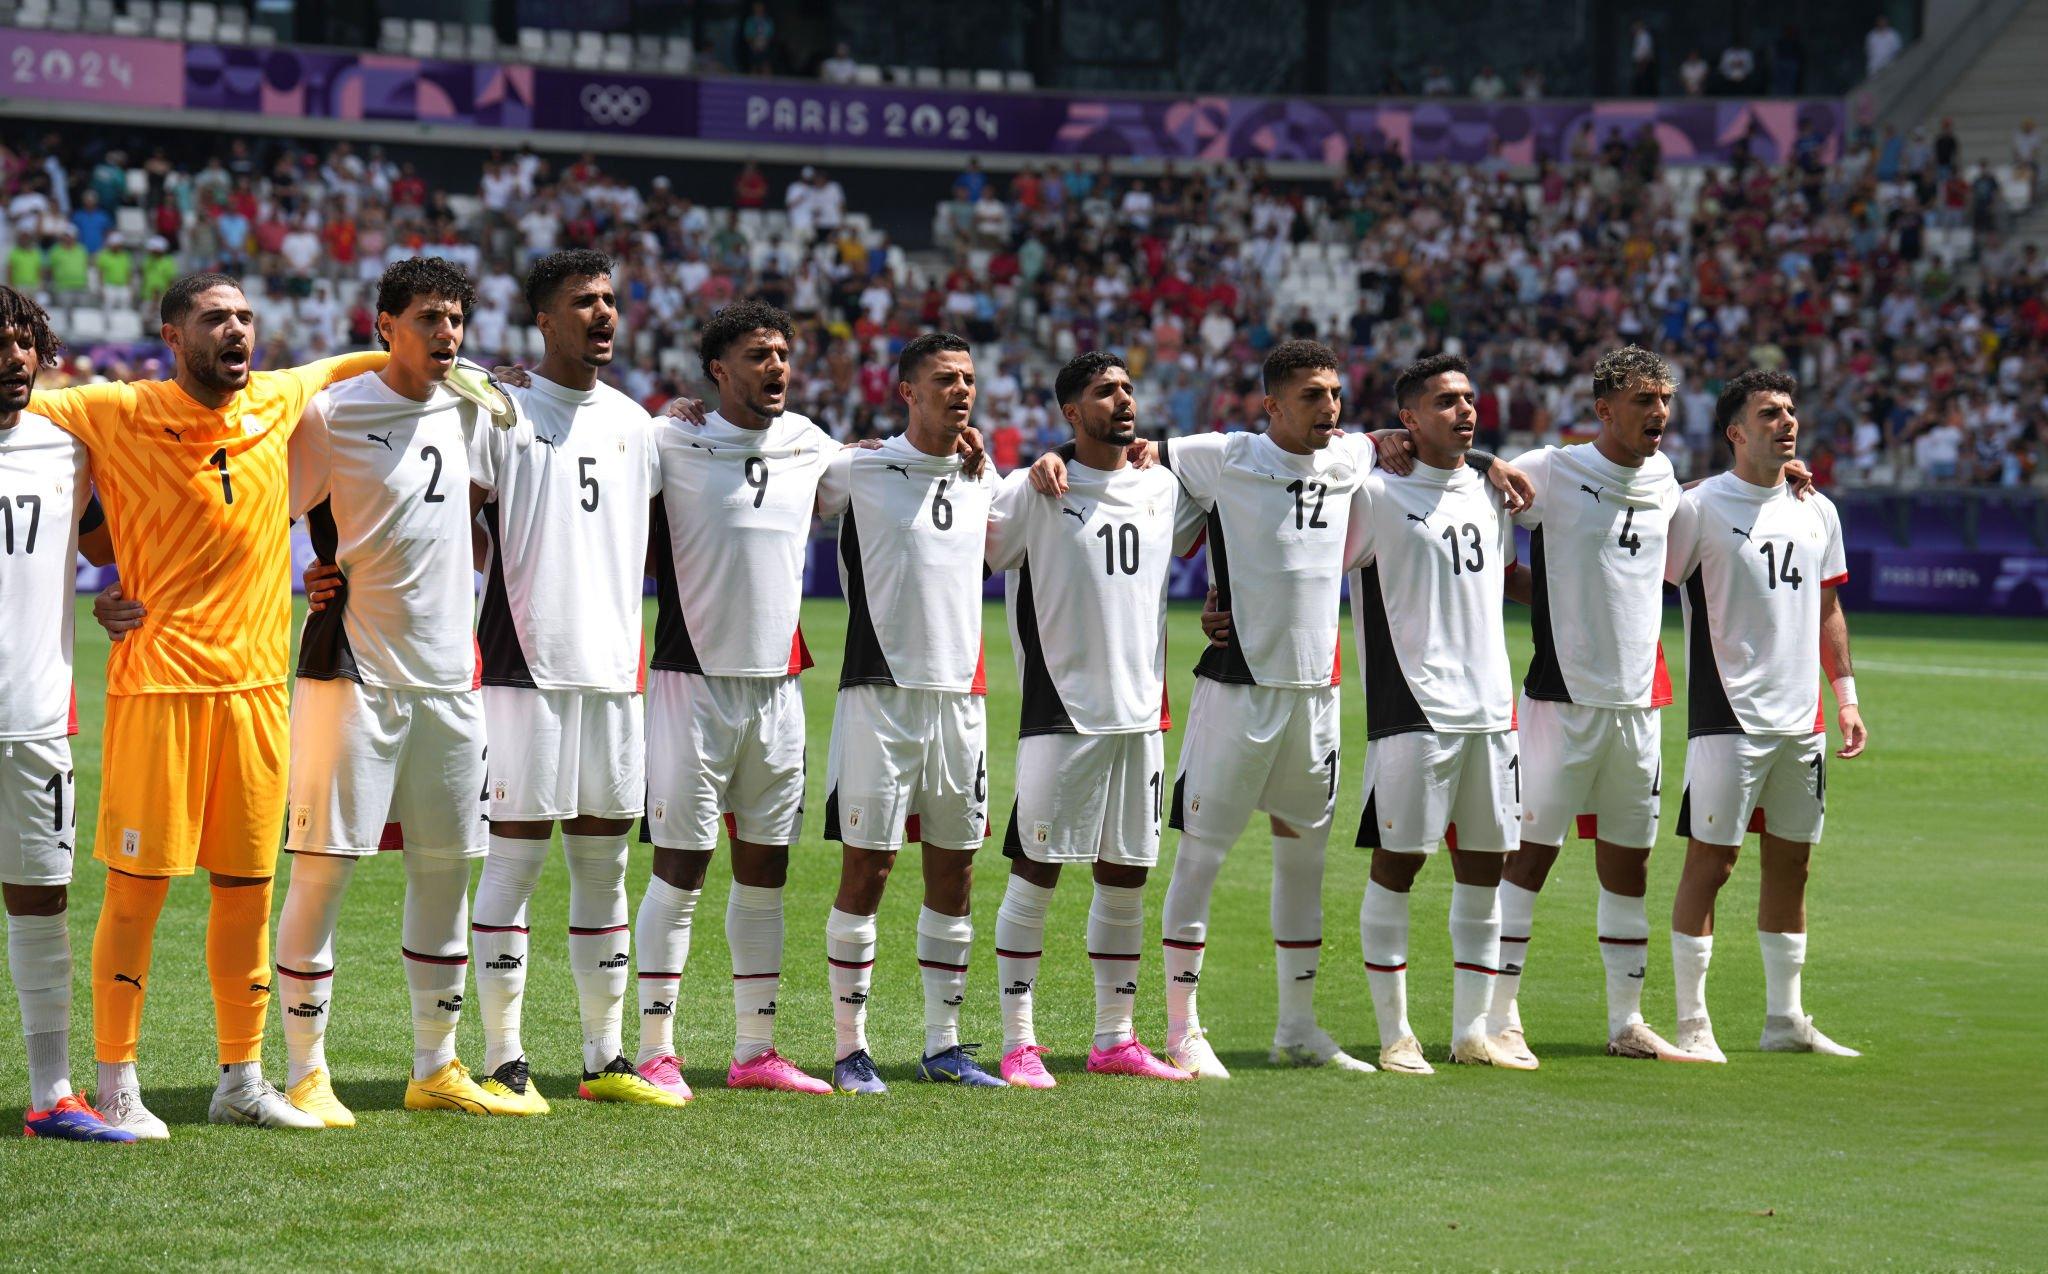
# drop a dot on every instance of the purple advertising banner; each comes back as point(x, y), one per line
point(1960, 581)
point(96, 68)
point(340, 85)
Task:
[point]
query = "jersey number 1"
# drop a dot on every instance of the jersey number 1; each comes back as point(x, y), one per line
point(219, 460)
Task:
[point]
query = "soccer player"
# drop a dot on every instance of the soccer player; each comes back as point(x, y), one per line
point(193, 475)
point(909, 740)
point(43, 472)
point(1087, 608)
point(727, 714)
point(1428, 552)
point(385, 716)
point(1758, 572)
point(566, 494)
point(1588, 718)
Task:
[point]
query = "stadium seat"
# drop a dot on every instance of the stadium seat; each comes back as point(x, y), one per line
point(391, 35)
point(988, 77)
point(234, 26)
point(480, 42)
point(34, 15)
point(867, 73)
point(260, 34)
point(87, 323)
point(138, 184)
point(66, 15)
point(899, 75)
point(132, 222)
point(420, 38)
point(123, 323)
point(589, 51)
point(202, 20)
point(959, 77)
point(928, 77)
point(618, 52)
point(451, 39)
point(561, 47)
point(647, 52)
point(1020, 79)
point(99, 16)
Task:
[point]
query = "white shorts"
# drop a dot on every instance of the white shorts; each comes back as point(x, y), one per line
point(1602, 766)
point(1741, 783)
point(724, 745)
point(559, 754)
point(38, 812)
point(1256, 748)
point(907, 765)
point(1088, 797)
point(363, 756)
point(1422, 787)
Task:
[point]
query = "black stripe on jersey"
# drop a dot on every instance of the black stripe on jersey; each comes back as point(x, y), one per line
point(497, 637)
point(1223, 663)
point(1706, 695)
point(1546, 677)
point(1044, 712)
point(324, 653)
point(865, 663)
point(1390, 705)
point(832, 815)
point(1685, 813)
point(1176, 819)
point(673, 649)
point(1013, 843)
point(1369, 823)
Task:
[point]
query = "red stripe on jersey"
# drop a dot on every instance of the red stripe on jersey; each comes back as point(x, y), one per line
point(1589, 827)
point(799, 654)
point(1337, 663)
point(1201, 538)
point(1820, 713)
point(71, 722)
point(1835, 581)
point(1756, 821)
point(1660, 682)
point(640, 668)
point(1451, 836)
point(476, 675)
point(1165, 708)
point(392, 839)
point(732, 827)
point(980, 686)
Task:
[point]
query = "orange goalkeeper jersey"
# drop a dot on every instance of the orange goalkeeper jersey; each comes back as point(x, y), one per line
point(196, 500)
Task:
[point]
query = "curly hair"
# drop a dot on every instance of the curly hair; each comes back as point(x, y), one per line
point(1082, 369)
point(1422, 371)
point(549, 273)
point(1631, 365)
point(1289, 357)
point(402, 281)
point(20, 314)
point(733, 322)
point(1736, 393)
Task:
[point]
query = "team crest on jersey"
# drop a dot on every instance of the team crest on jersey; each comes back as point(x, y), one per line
point(1195, 805)
point(853, 816)
point(302, 817)
point(1041, 833)
point(252, 425)
point(498, 790)
point(660, 811)
point(131, 842)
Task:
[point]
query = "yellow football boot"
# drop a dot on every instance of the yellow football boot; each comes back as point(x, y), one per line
point(620, 1082)
point(511, 1090)
point(451, 1088)
point(315, 1095)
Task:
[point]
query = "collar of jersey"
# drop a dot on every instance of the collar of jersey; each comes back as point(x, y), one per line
point(1443, 477)
point(1742, 486)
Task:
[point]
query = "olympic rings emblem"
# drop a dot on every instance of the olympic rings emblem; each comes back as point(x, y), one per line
point(618, 104)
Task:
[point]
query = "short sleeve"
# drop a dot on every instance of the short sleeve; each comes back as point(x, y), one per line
point(1197, 462)
point(1681, 549)
point(651, 436)
point(1190, 519)
point(1536, 464)
point(299, 384)
point(486, 446)
point(85, 505)
point(1509, 550)
point(835, 484)
point(1363, 450)
point(93, 414)
point(1834, 557)
point(1009, 521)
point(1358, 537)
point(311, 456)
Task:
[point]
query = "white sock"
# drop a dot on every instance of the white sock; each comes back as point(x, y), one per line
point(753, 930)
point(1689, 959)
point(1784, 957)
point(661, 936)
point(943, 944)
point(1517, 912)
point(115, 1077)
point(1020, 945)
point(1383, 939)
point(1297, 915)
point(1184, 929)
point(1625, 950)
point(436, 955)
point(39, 958)
point(499, 942)
point(239, 1075)
point(598, 941)
point(1116, 934)
point(850, 961)
point(1475, 956)
point(305, 956)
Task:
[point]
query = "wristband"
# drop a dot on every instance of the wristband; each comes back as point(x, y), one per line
point(1845, 692)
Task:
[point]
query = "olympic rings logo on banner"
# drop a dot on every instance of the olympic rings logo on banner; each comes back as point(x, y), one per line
point(619, 104)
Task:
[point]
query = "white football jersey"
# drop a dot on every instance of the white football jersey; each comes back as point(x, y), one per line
point(912, 532)
point(1276, 527)
point(1087, 594)
point(1750, 563)
point(1597, 532)
point(383, 483)
point(735, 516)
point(44, 488)
point(570, 488)
point(1427, 553)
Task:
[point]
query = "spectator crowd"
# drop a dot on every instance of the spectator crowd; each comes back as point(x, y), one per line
point(1881, 279)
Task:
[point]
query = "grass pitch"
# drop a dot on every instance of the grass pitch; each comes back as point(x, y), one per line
point(1929, 899)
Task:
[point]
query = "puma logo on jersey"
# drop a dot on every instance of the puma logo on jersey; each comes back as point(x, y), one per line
point(897, 468)
point(66, 848)
point(1592, 491)
point(659, 1008)
point(260, 988)
point(1075, 514)
point(704, 448)
point(304, 1010)
point(1419, 517)
point(1742, 531)
point(386, 440)
point(177, 435)
point(134, 982)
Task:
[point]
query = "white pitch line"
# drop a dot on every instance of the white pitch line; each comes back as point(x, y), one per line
point(1954, 670)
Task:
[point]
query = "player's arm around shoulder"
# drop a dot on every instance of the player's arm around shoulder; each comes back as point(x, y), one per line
point(1009, 520)
point(93, 414)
